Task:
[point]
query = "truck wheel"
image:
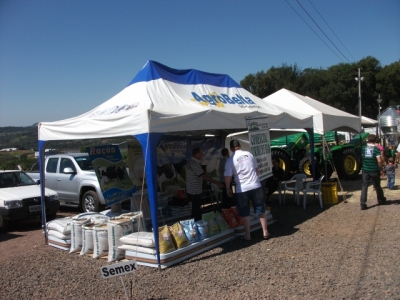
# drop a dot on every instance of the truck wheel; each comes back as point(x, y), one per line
point(305, 166)
point(90, 202)
point(347, 164)
point(284, 161)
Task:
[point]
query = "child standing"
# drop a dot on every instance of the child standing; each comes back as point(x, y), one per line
point(390, 170)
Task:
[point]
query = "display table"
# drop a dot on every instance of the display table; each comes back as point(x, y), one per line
point(174, 257)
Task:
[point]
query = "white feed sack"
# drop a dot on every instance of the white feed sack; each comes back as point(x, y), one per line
point(100, 240)
point(76, 233)
point(87, 239)
point(137, 219)
point(117, 228)
point(62, 225)
point(59, 235)
point(144, 239)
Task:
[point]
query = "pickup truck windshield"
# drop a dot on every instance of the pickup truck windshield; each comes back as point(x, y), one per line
point(84, 163)
point(15, 178)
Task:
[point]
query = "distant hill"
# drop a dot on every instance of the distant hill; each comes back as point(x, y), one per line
point(26, 138)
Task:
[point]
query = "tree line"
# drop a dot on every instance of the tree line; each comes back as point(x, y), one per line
point(335, 86)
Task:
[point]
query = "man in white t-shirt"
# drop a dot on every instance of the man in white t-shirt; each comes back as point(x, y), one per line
point(243, 166)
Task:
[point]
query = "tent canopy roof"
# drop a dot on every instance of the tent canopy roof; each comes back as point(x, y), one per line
point(160, 99)
point(326, 118)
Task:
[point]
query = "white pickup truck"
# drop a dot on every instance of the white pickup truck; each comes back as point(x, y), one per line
point(20, 198)
point(72, 176)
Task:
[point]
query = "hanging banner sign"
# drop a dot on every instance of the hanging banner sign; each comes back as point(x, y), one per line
point(260, 145)
point(111, 172)
point(123, 268)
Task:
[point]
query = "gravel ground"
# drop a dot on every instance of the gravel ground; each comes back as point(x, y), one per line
point(338, 252)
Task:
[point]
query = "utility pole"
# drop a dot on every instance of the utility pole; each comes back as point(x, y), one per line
point(359, 79)
point(379, 100)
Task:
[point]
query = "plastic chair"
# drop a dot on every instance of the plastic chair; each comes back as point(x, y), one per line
point(314, 187)
point(295, 184)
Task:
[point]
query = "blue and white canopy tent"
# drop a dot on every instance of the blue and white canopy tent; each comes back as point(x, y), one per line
point(162, 100)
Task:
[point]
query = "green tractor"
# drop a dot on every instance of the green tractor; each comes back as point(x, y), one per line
point(346, 158)
point(293, 158)
point(289, 151)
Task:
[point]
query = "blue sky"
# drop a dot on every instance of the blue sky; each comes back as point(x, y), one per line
point(59, 59)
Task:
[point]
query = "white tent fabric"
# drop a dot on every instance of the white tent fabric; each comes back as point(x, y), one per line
point(162, 100)
point(367, 122)
point(326, 118)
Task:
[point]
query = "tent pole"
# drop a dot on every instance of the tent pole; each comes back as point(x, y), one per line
point(42, 146)
point(310, 132)
point(149, 143)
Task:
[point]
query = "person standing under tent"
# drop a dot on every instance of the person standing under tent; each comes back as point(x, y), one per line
point(371, 169)
point(272, 183)
point(227, 202)
point(194, 182)
point(243, 167)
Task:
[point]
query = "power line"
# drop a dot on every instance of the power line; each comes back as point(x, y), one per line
point(331, 29)
point(322, 31)
point(313, 30)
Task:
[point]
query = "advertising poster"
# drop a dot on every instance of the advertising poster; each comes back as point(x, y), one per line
point(211, 147)
point(111, 172)
point(172, 155)
point(260, 145)
point(135, 163)
point(173, 152)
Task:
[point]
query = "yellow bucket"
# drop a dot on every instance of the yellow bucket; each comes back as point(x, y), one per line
point(329, 193)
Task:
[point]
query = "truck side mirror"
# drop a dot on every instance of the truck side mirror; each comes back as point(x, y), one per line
point(69, 171)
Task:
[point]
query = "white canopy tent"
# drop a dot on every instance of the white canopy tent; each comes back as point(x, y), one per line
point(326, 118)
point(162, 100)
point(368, 122)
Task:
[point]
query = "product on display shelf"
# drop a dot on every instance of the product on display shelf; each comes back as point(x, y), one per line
point(76, 233)
point(100, 240)
point(202, 227)
point(222, 224)
point(165, 241)
point(229, 216)
point(141, 238)
point(237, 217)
point(191, 231)
point(211, 223)
point(87, 239)
point(179, 236)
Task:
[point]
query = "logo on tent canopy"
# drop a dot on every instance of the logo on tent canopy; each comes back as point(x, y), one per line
point(221, 100)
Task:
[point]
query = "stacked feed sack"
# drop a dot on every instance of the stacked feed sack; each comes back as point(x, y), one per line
point(141, 241)
point(59, 233)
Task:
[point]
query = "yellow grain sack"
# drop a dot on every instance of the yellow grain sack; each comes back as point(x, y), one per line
point(179, 236)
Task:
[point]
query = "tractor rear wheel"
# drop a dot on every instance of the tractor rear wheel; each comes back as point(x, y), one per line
point(347, 164)
point(283, 160)
point(305, 166)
